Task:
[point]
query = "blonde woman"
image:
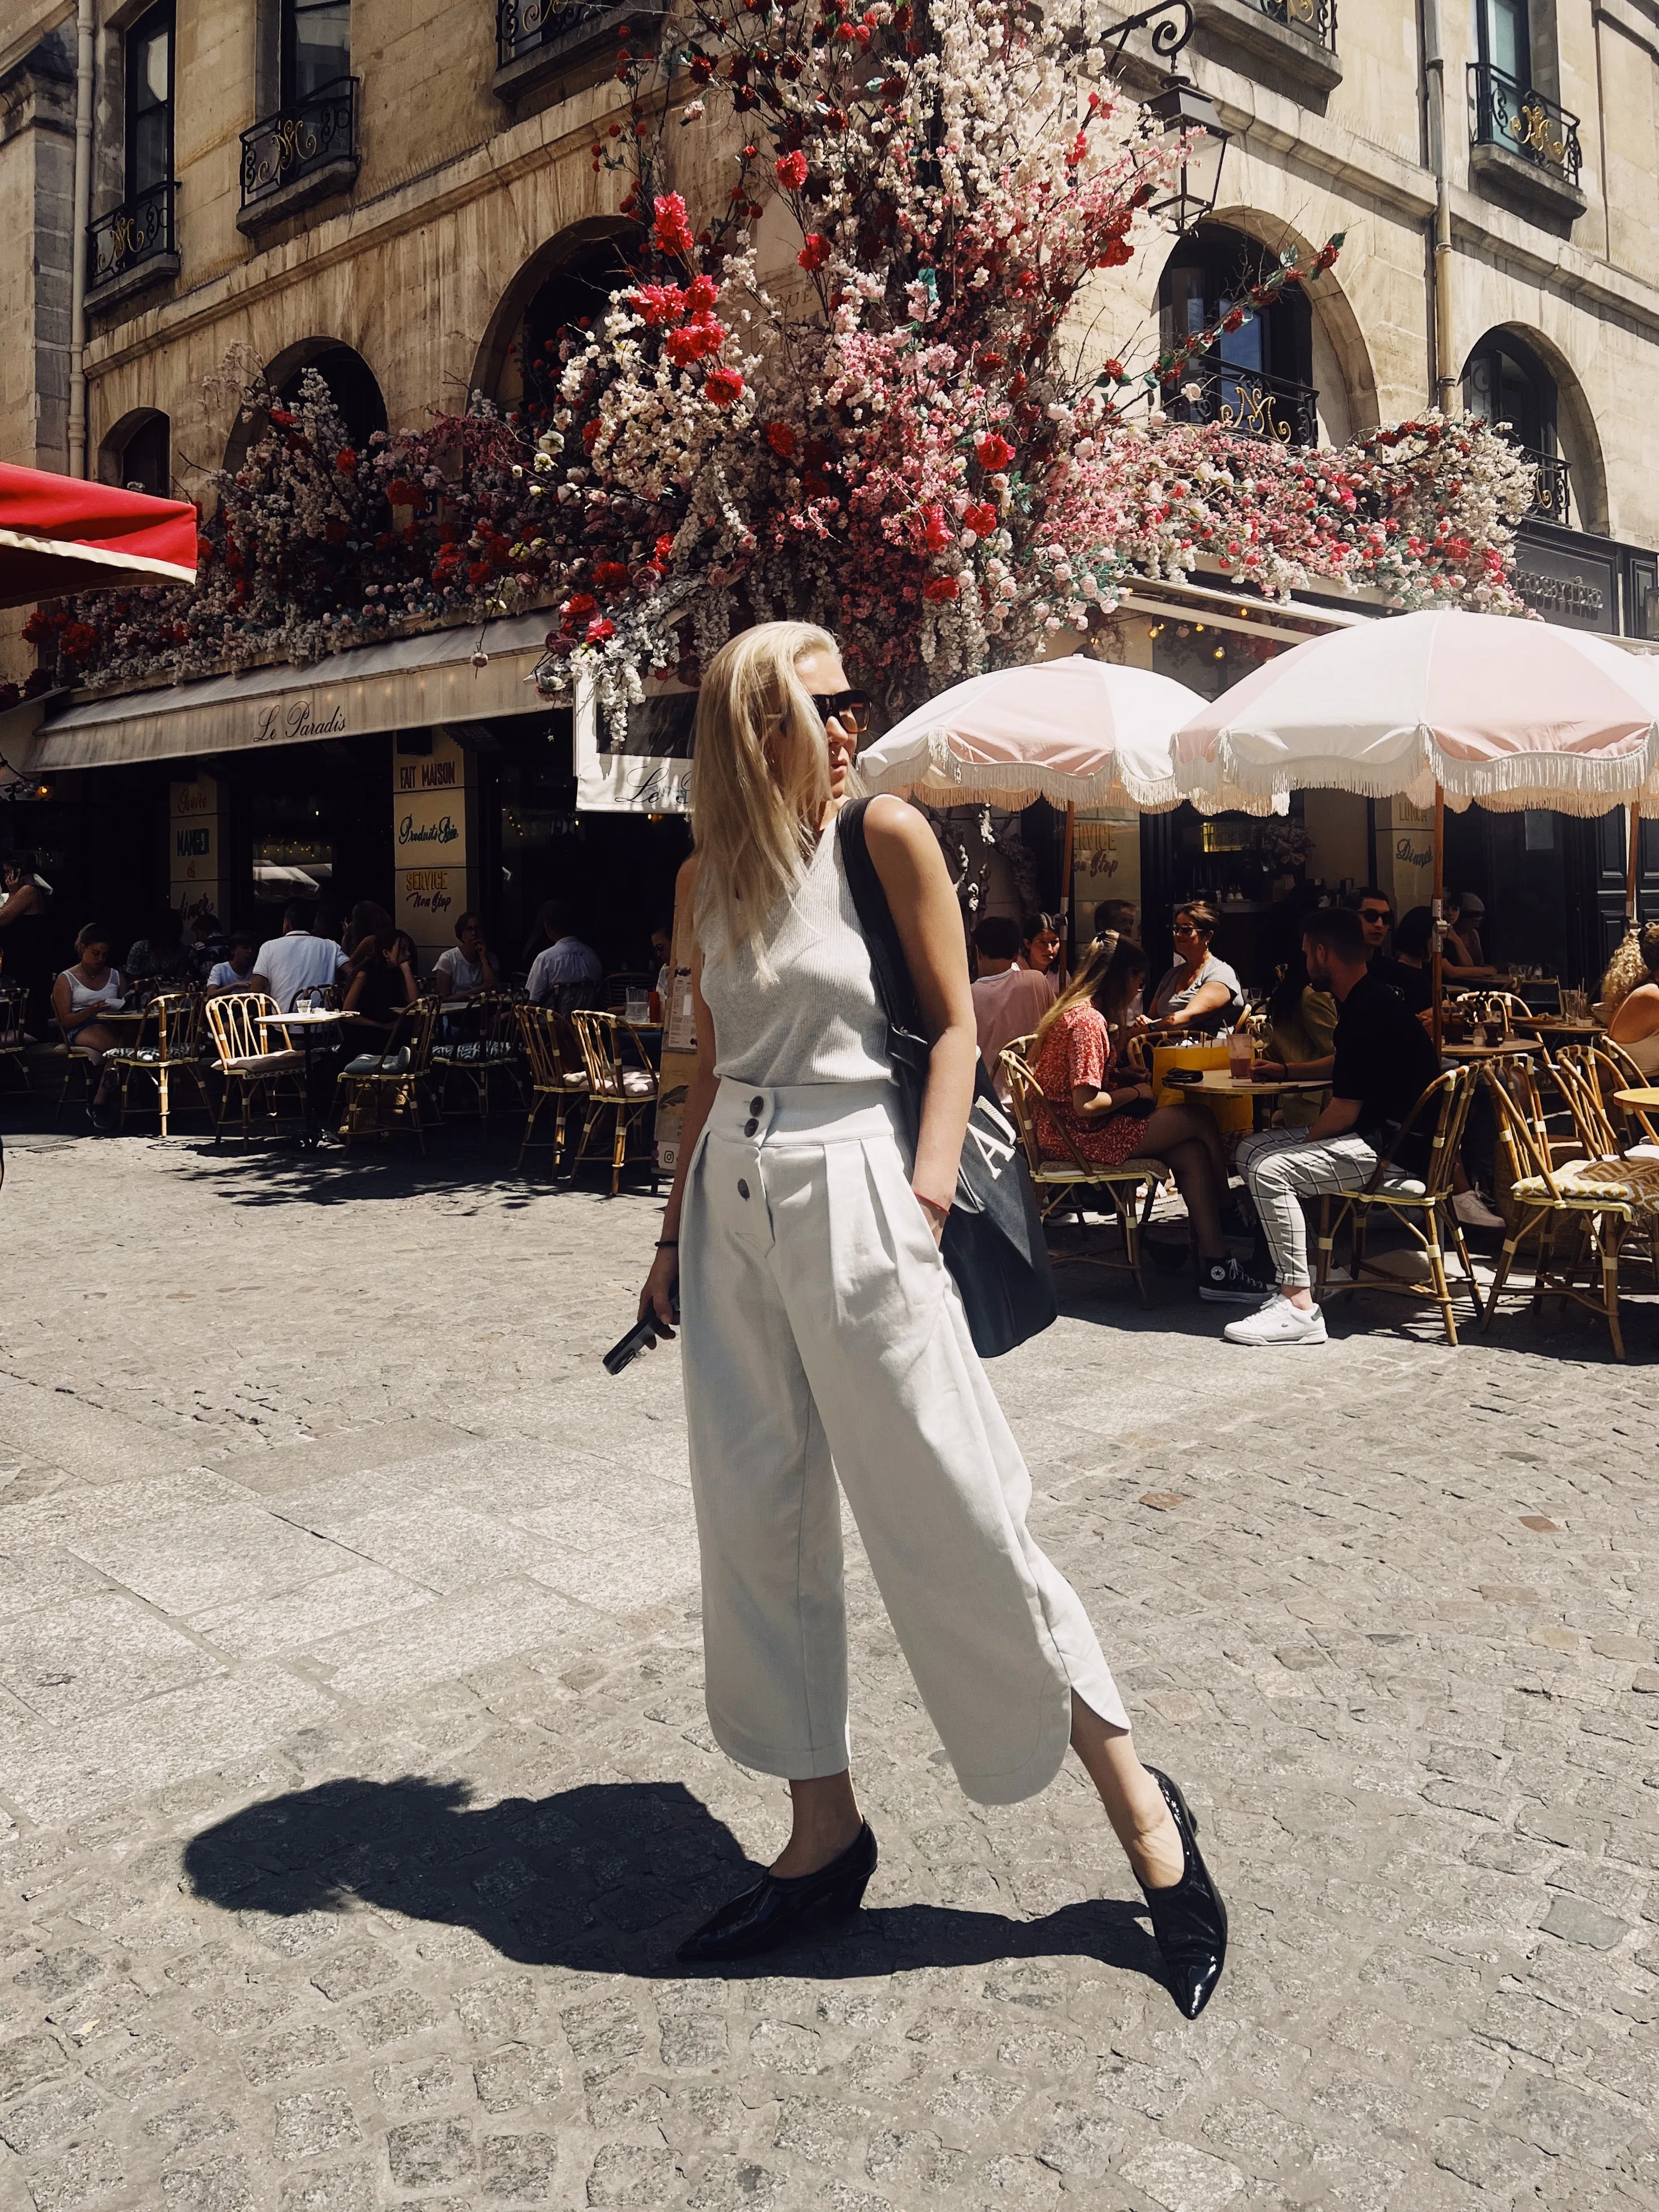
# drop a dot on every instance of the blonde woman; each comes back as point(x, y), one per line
point(1629, 997)
point(821, 1325)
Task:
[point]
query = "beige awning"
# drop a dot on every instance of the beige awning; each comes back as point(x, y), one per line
point(409, 683)
point(22, 36)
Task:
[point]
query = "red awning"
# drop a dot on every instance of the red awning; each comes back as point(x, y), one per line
point(61, 534)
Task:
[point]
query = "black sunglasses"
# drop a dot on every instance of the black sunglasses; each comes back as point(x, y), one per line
point(850, 708)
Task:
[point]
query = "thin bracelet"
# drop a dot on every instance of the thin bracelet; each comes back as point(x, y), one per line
point(933, 1204)
point(667, 1243)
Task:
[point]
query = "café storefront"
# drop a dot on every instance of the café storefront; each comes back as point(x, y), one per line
point(427, 774)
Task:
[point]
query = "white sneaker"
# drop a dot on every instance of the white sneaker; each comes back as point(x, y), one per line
point(1278, 1322)
point(1473, 1211)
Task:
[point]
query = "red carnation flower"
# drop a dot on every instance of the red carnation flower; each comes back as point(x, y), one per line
point(936, 530)
point(671, 230)
point(664, 548)
point(580, 603)
point(815, 253)
point(981, 518)
point(599, 629)
point(939, 587)
point(781, 437)
point(1117, 251)
point(722, 385)
point(610, 575)
point(792, 171)
point(701, 294)
point(994, 453)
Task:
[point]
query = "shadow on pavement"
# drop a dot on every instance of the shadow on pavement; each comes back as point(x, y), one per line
point(606, 1877)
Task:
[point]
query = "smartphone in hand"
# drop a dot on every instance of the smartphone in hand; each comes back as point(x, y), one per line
point(640, 1338)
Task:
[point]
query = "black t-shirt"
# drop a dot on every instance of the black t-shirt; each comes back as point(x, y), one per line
point(1414, 986)
point(1386, 1060)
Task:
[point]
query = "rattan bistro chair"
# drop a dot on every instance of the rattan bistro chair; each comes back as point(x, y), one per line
point(1596, 1199)
point(381, 1092)
point(491, 1051)
point(557, 1072)
point(13, 1035)
point(1611, 1068)
point(628, 1094)
point(1420, 1204)
point(1062, 1185)
point(244, 1064)
point(172, 1053)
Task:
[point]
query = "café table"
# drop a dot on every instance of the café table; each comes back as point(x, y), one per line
point(1221, 1083)
point(313, 1024)
point(1646, 1101)
point(1510, 1050)
point(1557, 1026)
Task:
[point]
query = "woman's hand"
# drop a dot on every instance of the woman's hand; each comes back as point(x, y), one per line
point(1268, 1071)
point(658, 1295)
point(935, 1215)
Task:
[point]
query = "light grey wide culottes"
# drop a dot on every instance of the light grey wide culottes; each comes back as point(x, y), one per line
point(822, 1336)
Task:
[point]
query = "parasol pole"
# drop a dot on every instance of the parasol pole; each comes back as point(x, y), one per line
point(1633, 822)
point(1437, 909)
point(1065, 894)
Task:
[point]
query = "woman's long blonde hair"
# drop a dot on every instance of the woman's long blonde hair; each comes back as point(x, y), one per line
point(1104, 981)
point(1636, 961)
point(760, 775)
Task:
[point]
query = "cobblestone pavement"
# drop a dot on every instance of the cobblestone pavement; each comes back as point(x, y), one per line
point(355, 1785)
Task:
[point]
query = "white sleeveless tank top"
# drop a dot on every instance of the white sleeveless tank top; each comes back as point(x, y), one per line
point(808, 1012)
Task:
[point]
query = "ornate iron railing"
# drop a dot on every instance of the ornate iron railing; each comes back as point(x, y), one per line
point(1522, 120)
point(285, 147)
point(528, 26)
point(1247, 400)
point(1551, 498)
point(139, 230)
point(1313, 19)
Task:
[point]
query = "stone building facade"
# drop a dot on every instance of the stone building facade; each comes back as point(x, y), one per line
point(387, 189)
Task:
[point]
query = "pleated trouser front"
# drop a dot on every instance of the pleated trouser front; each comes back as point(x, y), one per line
point(822, 1336)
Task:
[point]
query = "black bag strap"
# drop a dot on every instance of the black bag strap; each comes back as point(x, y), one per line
point(888, 965)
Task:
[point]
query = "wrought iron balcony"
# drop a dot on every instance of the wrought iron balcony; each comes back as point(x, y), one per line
point(133, 241)
point(1247, 400)
point(1551, 498)
point(1313, 19)
point(1520, 120)
point(301, 154)
point(536, 38)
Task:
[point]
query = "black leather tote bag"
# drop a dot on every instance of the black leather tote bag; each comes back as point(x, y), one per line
point(994, 1243)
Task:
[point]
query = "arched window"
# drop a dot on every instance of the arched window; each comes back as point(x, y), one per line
point(567, 282)
point(1258, 379)
point(139, 454)
point(351, 381)
point(1505, 383)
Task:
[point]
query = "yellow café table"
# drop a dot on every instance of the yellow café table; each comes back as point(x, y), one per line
point(1221, 1083)
point(1232, 1112)
point(1646, 1101)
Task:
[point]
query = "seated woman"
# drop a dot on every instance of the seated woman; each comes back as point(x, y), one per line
point(376, 991)
point(1630, 997)
point(1094, 1108)
point(78, 998)
point(1199, 992)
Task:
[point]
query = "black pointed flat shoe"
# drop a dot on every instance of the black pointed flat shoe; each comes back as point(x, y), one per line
point(778, 1908)
point(1188, 1918)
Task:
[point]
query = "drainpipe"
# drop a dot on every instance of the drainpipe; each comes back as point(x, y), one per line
point(1447, 396)
point(78, 392)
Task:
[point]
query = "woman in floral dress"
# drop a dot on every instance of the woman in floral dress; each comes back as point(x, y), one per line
point(1094, 1107)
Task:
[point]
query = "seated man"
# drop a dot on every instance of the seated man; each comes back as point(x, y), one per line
point(1009, 1000)
point(296, 961)
point(1383, 1064)
point(234, 973)
point(566, 973)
